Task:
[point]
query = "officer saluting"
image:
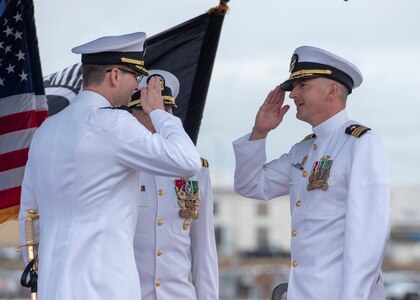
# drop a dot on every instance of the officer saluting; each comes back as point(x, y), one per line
point(175, 232)
point(337, 178)
point(83, 171)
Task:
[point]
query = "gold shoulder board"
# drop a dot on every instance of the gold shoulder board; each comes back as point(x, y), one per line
point(310, 136)
point(357, 130)
point(204, 162)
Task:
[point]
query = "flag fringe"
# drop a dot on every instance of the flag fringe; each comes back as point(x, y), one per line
point(9, 213)
point(221, 9)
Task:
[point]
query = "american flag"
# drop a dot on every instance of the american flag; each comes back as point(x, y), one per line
point(23, 104)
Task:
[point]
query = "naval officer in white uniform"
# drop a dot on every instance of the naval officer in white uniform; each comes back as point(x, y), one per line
point(337, 179)
point(83, 171)
point(174, 244)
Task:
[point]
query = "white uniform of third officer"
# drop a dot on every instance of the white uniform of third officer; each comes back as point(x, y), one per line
point(174, 243)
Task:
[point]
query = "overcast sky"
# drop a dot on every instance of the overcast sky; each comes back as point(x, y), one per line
point(381, 37)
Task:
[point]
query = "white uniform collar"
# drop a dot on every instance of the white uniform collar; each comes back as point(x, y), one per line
point(92, 98)
point(331, 124)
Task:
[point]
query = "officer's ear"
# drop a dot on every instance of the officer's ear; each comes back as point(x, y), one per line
point(334, 90)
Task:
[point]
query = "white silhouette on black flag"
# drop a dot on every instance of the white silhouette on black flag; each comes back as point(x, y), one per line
point(187, 50)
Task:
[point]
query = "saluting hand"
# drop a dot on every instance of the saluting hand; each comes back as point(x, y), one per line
point(270, 114)
point(151, 97)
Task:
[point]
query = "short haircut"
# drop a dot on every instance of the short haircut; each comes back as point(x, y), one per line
point(94, 75)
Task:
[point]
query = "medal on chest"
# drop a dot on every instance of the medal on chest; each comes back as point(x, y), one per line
point(320, 173)
point(188, 200)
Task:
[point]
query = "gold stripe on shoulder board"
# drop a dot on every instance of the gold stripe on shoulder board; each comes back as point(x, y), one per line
point(357, 130)
point(204, 162)
point(310, 136)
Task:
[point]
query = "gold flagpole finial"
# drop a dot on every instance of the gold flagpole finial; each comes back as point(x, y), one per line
point(221, 9)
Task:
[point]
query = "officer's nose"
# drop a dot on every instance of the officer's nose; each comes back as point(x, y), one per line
point(293, 93)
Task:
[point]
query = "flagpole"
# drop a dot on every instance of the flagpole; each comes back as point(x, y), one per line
point(29, 276)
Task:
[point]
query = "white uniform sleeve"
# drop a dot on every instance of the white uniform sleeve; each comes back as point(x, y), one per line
point(367, 223)
point(205, 272)
point(253, 177)
point(27, 202)
point(169, 152)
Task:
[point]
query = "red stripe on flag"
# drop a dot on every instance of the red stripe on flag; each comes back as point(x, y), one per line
point(41, 116)
point(10, 197)
point(14, 159)
point(18, 121)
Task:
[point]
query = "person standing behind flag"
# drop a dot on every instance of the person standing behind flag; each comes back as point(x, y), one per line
point(175, 232)
point(337, 178)
point(83, 172)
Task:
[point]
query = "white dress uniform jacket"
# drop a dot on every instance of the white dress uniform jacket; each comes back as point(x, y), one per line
point(338, 235)
point(82, 175)
point(165, 253)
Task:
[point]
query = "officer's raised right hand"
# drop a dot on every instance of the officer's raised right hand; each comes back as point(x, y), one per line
point(270, 114)
point(151, 97)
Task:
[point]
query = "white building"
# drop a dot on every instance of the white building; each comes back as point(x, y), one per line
point(248, 225)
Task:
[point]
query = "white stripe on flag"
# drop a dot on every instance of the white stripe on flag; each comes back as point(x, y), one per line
point(11, 178)
point(16, 140)
point(21, 103)
point(41, 103)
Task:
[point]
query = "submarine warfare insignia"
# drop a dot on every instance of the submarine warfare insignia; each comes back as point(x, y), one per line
point(320, 173)
point(188, 200)
point(300, 165)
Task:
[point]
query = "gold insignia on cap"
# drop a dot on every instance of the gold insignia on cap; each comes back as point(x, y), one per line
point(141, 68)
point(168, 100)
point(132, 61)
point(293, 62)
point(357, 130)
point(134, 103)
point(305, 73)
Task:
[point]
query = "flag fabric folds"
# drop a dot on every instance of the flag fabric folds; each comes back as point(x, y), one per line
point(187, 50)
point(23, 105)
